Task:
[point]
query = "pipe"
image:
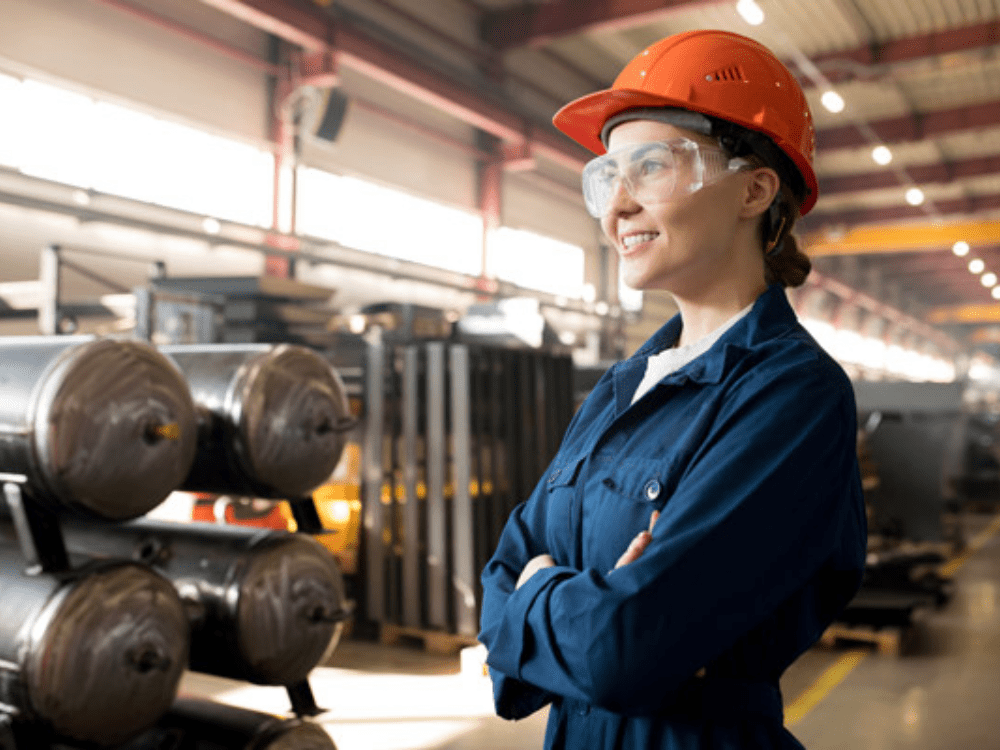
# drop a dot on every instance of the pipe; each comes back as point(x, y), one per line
point(99, 426)
point(264, 606)
point(94, 655)
point(194, 724)
point(272, 419)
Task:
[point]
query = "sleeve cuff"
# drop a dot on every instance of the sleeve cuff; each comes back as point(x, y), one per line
point(507, 652)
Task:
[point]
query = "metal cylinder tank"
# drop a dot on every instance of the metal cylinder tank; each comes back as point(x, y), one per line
point(271, 418)
point(195, 724)
point(102, 426)
point(264, 606)
point(95, 655)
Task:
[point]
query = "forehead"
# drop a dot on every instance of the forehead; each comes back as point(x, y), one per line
point(644, 131)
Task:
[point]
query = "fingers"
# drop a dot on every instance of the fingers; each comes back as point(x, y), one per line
point(635, 549)
point(534, 565)
point(638, 545)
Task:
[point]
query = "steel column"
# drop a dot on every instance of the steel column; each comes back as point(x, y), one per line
point(464, 575)
point(437, 553)
point(375, 511)
point(412, 590)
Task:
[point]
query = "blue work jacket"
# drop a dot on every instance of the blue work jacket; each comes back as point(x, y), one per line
point(748, 452)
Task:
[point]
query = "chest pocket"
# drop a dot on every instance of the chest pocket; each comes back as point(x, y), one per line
point(620, 499)
point(562, 511)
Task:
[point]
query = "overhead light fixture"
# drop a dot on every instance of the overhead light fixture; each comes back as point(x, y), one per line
point(976, 266)
point(914, 196)
point(988, 279)
point(995, 291)
point(881, 155)
point(81, 197)
point(960, 248)
point(833, 101)
point(752, 13)
point(211, 225)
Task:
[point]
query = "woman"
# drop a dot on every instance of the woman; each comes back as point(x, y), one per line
point(702, 522)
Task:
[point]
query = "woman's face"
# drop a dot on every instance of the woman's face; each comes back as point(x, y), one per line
point(682, 244)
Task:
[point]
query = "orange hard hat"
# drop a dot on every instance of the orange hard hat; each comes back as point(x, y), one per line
point(717, 73)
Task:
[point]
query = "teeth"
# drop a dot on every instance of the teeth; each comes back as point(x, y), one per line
point(635, 239)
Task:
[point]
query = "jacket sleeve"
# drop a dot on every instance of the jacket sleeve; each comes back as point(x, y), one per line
point(524, 537)
point(756, 514)
point(521, 540)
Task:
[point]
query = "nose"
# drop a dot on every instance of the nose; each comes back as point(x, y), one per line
point(621, 200)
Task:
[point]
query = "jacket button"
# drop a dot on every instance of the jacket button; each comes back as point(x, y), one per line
point(652, 489)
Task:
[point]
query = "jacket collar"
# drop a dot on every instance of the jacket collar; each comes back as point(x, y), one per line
point(770, 317)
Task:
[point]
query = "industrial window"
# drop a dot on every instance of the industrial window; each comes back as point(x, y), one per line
point(535, 262)
point(876, 356)
point(366, 216)
point(66, 137)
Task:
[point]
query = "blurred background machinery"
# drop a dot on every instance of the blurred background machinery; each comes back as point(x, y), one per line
point(920, 448)
point(449, 424)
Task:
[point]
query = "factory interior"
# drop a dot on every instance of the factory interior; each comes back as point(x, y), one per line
point(298, 298)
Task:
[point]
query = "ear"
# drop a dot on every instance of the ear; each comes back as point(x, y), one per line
point(761, 189)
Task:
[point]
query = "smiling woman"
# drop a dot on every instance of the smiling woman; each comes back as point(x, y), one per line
point(702, 522)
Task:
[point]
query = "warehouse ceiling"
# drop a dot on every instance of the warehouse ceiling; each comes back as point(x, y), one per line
point(920, 77)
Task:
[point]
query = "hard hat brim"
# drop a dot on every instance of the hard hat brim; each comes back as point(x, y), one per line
point(582, 119)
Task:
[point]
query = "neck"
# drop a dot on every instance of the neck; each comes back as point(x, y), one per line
point(704, 313)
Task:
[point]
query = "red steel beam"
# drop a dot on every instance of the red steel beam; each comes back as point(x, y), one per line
point(914, 127)
point(909, 49)
point(307, 26)
point(944, 172)
point(538, 24)
point(965, 206)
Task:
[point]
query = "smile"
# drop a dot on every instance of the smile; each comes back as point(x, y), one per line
point(631, 240)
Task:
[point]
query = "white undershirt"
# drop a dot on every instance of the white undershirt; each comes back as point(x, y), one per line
point(661, 364)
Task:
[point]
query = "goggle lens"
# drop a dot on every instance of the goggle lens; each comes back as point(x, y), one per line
point(654, 172)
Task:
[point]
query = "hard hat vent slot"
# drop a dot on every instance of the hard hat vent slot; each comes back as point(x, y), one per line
point(732, 73)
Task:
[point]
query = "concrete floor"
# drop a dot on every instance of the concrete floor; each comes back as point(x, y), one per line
point(942, 693)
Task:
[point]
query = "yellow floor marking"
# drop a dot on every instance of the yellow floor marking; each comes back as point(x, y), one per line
point(836, 673)
point(975, 544)
point(826, 682)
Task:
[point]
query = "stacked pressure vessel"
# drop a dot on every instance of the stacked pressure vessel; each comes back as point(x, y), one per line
point(103, 610)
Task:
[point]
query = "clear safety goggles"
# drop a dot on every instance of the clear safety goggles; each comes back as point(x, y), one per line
point(655, 172)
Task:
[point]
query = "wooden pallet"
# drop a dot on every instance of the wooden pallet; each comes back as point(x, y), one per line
point(432, 641)
point(888, 640)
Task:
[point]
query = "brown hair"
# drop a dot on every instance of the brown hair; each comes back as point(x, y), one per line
point(784, 262)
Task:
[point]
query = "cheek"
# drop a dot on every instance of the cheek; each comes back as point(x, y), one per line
point(607, 226)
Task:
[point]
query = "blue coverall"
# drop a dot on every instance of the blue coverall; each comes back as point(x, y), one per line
point(748, 452)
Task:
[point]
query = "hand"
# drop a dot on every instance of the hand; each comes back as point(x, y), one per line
point(639, 544)
point(534, 565)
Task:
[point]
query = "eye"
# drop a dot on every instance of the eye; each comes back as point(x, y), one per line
point(651, 166)
point(606, 173)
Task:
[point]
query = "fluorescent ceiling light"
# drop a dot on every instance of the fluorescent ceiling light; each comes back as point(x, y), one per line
point(976, 266)
point(881, 155)
point(988, 279)
point(833, 101)
point(751, 12)
point(960, 248)
point(914, 196)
